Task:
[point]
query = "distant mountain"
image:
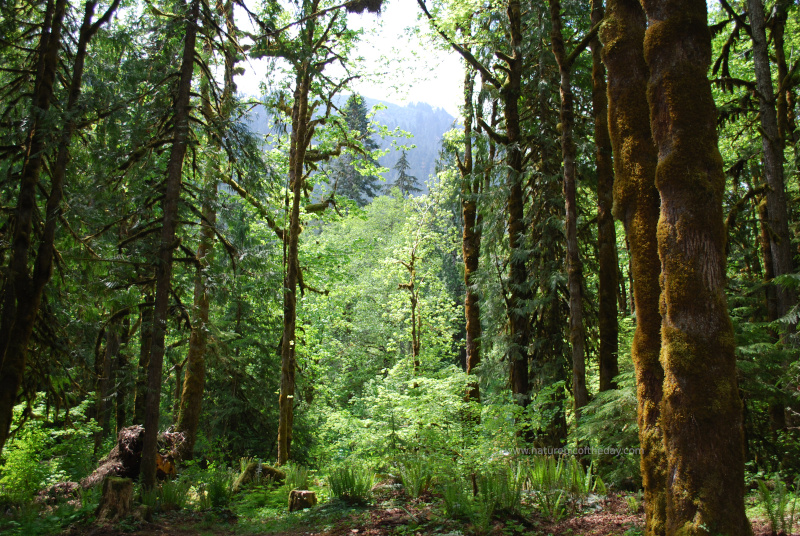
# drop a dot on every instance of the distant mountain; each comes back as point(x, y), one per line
point(425, 123)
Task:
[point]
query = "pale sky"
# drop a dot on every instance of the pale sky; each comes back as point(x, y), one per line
point(415, 72)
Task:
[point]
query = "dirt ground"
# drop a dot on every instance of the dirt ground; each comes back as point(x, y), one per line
point(413, 519)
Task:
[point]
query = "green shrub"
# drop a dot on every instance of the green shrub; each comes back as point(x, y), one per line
point(609, 420)
point(216, 489)
point(41, 454)
point(173, 494)
point(633, 504)
point(457, 497)
point(417, 475)
point(560, 484)
point(351, 483)
point(500, 489)
point(149, 497)
point(780, 504)
point(297, 476)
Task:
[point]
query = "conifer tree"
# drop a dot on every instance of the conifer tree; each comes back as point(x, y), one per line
point(350, 181)
point(405, 182)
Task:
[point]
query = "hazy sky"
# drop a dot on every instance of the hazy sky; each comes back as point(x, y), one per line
point(402, 69)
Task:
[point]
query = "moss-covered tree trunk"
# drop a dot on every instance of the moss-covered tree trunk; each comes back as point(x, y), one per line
point(123, 378)
point(194, 380)
point(701, 409)
point(772, 145)
point(636, 203)
point(520, 294)
point(296, 162)
point(167, 244)
point(470, 240)
point(783, 98)
point(577, 332)
point(606, 233)
point(23, 290)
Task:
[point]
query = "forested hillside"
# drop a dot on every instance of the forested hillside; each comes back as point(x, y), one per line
point(572, 311)
point(417, 126)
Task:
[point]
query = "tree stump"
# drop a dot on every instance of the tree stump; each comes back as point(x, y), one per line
point(301, 499)
point(117, 499)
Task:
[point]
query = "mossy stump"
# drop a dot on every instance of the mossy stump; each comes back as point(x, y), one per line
point(301, 499)
point(117, 500)
point(249, 474)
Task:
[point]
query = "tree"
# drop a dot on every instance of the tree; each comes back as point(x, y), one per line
point(407, 184)
point(636, 204)
point(308, 54)
point(348, 170)
point(172, 192)
point(701, 409)
point(577, 331)
point(23, 289)
point(471, 237)
point(772, 140)
point(606, 232)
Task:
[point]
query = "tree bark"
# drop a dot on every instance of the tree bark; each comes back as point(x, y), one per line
point(577, 333)
point(121, 366)
point(606, 232)
point(520, 294)
point(145, 338)
point(470, 241)
point(772, 144)
point(779, 20)
point(299, 144)
point(701, 409)
point(107, 379)
point(167, 245)
point(194, 380)
point(23, 292)
point(636, 202)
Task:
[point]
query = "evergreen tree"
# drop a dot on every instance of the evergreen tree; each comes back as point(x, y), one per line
point(405, 182)
point(350, 181)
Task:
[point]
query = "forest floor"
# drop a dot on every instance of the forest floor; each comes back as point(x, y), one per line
point(390, 514)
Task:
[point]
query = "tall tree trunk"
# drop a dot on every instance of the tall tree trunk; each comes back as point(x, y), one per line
point(167, 245)
point(194, 381)
point(520, 294)
point(701, 409)
point(107, 380)
point(470, 241)
point(606, 232)
point(121, 366)
point(297, 153)
point(779, 20)
point(510, 92)
point(772, 144)
point(22, 294)
point(577, 333)
point(777, 412)
point(637, 203)
point(145, 338)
